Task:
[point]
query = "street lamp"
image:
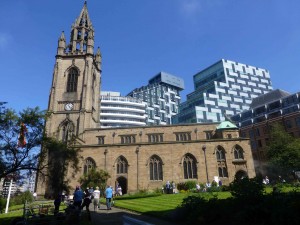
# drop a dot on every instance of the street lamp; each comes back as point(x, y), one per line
point(204, 152)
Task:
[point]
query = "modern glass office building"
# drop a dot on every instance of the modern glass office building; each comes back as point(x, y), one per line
point(162, 97)
point(225, 88)
point(118, 111)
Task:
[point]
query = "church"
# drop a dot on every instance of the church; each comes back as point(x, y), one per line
point(137, 158)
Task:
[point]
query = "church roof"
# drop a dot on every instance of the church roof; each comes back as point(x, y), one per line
point(226, 125)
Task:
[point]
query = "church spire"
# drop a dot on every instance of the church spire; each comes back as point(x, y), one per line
point(82, 34)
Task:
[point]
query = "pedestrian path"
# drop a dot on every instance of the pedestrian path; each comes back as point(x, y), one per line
point(115, 217)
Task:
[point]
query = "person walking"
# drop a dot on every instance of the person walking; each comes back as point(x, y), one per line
point(86, 201)
point(78, 196)
point(108, 196)
point(96, 200)
point(57, 202)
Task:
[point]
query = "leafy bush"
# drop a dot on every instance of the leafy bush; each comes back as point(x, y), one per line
point(188, 185)
point(22, 198)
point(2, 204)
point(247, 189)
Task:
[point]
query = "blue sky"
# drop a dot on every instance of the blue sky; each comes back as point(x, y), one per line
point(139, 38)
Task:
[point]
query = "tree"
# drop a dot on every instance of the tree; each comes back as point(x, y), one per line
point(61, 156)
point(283, 150)
point(21, 136)
point(95, 178)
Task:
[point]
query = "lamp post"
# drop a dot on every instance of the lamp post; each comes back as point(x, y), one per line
point(137, 167)
point(204, 152)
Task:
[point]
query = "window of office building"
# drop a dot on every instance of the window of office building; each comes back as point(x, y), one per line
point(297, 120)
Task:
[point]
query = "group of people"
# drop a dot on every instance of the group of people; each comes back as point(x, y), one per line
point(170, 188)
point(84, 198)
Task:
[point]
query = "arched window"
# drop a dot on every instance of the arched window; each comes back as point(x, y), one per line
point(238, 152)
point(155, 167)
point(88, 165)
point(220, 154)
point(122, 165)
point(221, 161)
point(66, 131)
point(189, 167)
point(72, 80)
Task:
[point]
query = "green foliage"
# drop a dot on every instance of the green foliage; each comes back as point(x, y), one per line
point(22, 198)
point(248, 189)
point(95, 178)
point(15, 158)
point(188, 185)
point(61, 156)
point(2, 204)
point(283, 150)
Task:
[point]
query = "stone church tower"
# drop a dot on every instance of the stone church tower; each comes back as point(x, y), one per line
point(74, 95)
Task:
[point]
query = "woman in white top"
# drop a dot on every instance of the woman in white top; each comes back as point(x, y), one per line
point(96, 199)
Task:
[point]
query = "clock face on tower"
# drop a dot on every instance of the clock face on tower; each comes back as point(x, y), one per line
point(69, 106)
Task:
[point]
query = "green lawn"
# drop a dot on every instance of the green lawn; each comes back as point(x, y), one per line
point(161, 205)
point(6, 218)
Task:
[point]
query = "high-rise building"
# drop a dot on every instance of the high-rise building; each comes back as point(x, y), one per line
point(277, 106)
point(225, 88)
point(118, 111)
point(162, 96)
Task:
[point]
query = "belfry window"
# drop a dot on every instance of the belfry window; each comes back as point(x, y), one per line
point(155, 167)
point(189, 167)
point(72, 80)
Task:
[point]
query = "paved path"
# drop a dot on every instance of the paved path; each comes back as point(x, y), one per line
point(114, 217)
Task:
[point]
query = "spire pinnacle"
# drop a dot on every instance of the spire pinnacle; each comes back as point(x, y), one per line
point(62, 36)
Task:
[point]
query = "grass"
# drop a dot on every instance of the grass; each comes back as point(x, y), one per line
point(161, 205)
point(17, 211)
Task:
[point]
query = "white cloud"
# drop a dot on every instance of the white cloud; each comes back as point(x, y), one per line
point(4, 40)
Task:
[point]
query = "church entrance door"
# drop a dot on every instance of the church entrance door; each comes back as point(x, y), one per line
point(123, 183)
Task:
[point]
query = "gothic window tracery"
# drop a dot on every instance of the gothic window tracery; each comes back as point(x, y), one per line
point(122, 165)
point(72, 80)
point(190, 167)
point(238, 152)
point(155, 168)
point(89, 165)
point(221, 161)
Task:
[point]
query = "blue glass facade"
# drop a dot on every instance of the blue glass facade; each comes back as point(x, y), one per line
point(225, 88)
